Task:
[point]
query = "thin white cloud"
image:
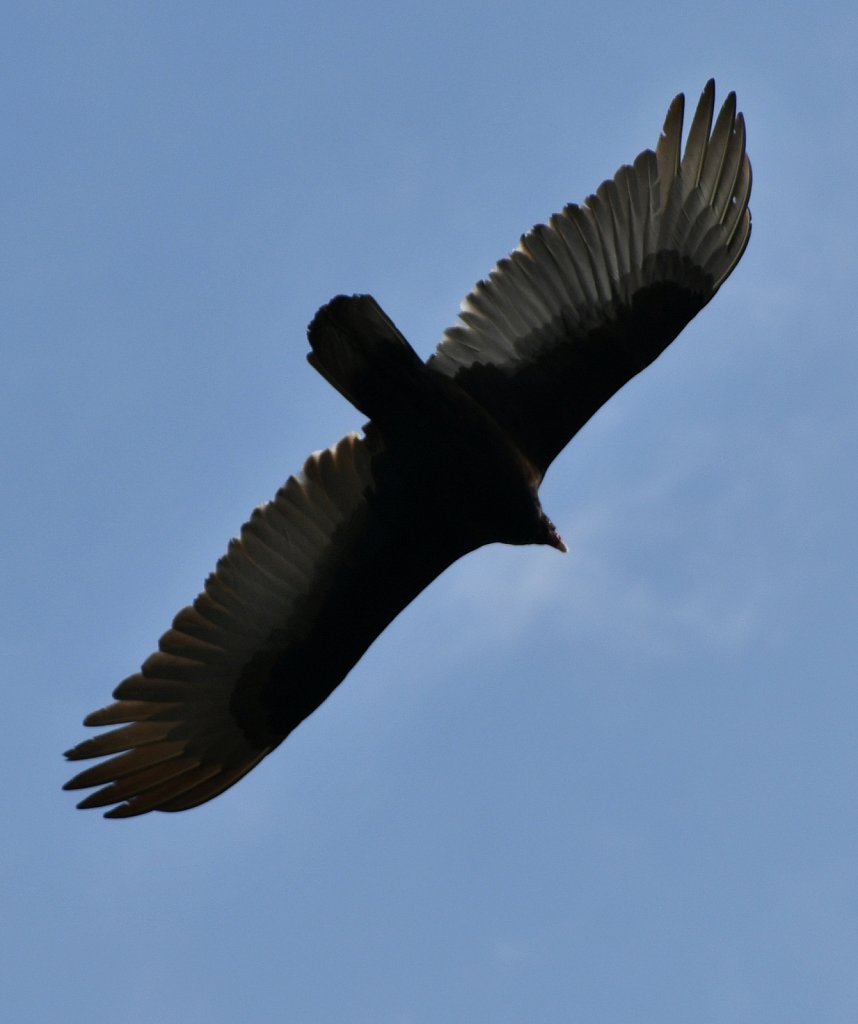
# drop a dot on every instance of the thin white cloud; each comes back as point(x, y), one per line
point(508, 952)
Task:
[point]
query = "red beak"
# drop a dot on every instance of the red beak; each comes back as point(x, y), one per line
point(553, 538)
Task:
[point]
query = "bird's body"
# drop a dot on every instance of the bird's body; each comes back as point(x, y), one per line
point(451, 460)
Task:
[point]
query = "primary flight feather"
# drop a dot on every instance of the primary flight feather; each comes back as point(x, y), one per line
point(451, 459)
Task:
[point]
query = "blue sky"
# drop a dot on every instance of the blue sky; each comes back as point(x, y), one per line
point(616, 786)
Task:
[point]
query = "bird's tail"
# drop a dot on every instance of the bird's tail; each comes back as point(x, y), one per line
point(357, 348)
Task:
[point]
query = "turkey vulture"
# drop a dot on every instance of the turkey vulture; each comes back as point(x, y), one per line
point(452, 458)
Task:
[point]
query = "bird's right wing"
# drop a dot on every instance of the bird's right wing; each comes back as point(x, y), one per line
point(591, 298)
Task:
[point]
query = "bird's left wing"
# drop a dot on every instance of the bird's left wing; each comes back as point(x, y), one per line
point(591, 298)
point(247, 661)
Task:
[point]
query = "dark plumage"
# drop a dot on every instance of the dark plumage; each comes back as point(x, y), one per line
point(451, 459)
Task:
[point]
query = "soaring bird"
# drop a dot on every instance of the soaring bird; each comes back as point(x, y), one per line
point(451, 459)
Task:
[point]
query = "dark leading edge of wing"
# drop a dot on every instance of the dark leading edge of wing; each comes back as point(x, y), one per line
point(591, 298)
point(583, 305)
